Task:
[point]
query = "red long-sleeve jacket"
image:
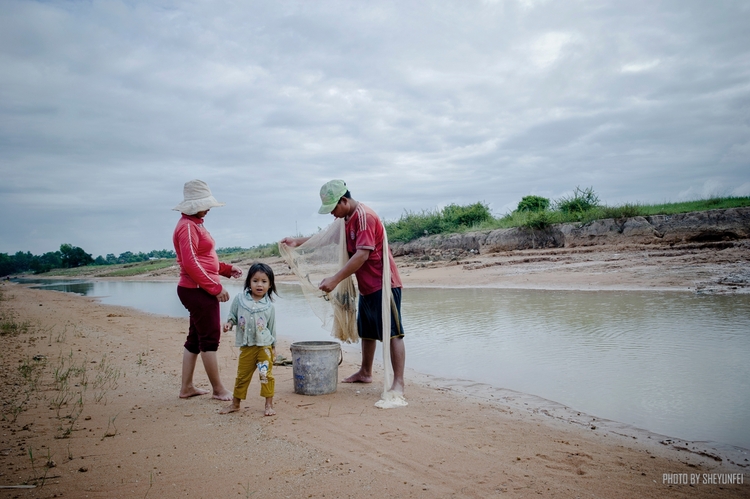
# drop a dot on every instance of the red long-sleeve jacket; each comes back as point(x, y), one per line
point(199, 264)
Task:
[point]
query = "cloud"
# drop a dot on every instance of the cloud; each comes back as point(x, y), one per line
point(107, 108)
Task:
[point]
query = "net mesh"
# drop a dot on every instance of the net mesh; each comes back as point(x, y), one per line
point(319, 257)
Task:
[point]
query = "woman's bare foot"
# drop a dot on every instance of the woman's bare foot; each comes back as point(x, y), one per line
point(225, 395)
point(358, 377)
point(233, 407)
point(269, 407)
point(192, 392)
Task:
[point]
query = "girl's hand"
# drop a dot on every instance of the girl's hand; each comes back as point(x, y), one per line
point(227, 327)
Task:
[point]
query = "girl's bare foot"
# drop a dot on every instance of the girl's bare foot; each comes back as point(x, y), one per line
point(269, 407)
point(358, 377)
point(233, 407)
point(191, 392)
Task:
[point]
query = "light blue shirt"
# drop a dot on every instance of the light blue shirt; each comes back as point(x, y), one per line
point(255, 320)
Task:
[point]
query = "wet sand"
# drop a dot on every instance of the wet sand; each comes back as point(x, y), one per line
point(123, 431)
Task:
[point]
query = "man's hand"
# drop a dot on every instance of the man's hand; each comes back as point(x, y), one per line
point(293, 242)
point(328, 284)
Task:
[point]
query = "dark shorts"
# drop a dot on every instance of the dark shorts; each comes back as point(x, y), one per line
point(205, 320)
point(370, 312)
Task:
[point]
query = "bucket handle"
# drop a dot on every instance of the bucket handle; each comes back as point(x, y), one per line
point(341, 356)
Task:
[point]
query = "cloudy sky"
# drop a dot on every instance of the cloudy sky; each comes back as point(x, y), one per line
point(108, 107)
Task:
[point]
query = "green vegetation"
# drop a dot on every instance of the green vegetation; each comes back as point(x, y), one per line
point(69, 261)
point(533, 203)
point(535, 212)
point(237, 254)
point(126, 270)
point(452, 218)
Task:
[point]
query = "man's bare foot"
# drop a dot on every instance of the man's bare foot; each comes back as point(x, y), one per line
point(398, 388)
point(269, 407)
point(358, 377)
point(225, 395)
point(192, 392)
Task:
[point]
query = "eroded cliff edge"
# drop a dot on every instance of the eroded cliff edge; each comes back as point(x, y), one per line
point(713, 228)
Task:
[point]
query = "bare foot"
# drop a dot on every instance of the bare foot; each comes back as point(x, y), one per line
point(358, 377)
point(230, 408)
point(192, 392)
point(269, 407)
point(225, 395)
point(398, 387)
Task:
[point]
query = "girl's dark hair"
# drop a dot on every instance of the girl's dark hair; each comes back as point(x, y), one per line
point(265, 269)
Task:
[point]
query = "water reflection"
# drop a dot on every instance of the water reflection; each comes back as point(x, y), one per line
point(672, 363)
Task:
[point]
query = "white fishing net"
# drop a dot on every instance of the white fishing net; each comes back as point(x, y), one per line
point(319, 257)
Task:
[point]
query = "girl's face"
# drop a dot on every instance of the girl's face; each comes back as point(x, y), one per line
point(259, 285)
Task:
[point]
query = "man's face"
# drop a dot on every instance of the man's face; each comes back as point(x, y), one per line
point(340, 210)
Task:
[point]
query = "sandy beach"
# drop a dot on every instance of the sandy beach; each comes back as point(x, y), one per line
point(90, 407)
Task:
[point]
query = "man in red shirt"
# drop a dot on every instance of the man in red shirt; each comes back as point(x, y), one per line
point(364, 243)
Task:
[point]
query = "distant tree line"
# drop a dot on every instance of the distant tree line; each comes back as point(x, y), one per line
point(69, 256)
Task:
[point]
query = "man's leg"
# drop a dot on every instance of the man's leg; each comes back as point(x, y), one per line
point(398, 360)
point(211, 364)
point(364, 375)
point(188, 368)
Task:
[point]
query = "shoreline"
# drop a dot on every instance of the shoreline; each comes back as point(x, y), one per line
point(447, 441)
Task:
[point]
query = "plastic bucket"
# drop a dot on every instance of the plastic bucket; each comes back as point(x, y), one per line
point(315, 365)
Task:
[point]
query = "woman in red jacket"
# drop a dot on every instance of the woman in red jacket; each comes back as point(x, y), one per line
point(200, 288)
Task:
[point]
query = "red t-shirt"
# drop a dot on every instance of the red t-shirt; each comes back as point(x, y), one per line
point(364, 230)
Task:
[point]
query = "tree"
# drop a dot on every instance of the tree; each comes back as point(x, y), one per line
point(46, 262)
point(73, 256)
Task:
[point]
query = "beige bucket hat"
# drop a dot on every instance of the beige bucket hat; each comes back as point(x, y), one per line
point(198, 197)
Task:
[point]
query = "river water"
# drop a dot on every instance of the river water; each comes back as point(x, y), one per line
point(677, 364)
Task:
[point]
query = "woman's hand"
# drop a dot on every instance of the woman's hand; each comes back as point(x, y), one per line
point(236, 272)
point(223, 296)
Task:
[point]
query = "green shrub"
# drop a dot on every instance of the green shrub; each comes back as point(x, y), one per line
point(538, 220)
point(627, 210)
point(455, 216)
point(452, 218)
point(414, 225)
point(580, 202)
point(533, 203)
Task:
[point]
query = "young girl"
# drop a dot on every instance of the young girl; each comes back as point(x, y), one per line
point(253, 314)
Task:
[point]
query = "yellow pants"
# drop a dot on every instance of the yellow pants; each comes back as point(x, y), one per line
point(252, 358)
